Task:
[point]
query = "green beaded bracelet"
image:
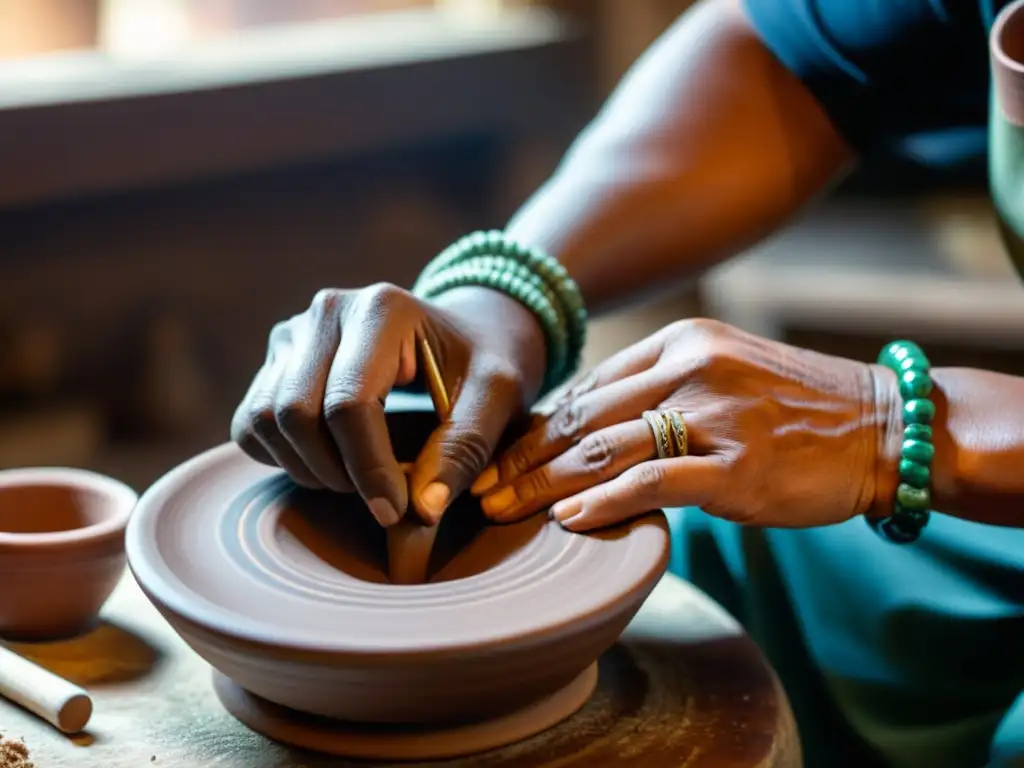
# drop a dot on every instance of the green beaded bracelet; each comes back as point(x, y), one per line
point(497, 243)
point(911, 509)
point(428, 285)
point(532, 277)
point(511, 279)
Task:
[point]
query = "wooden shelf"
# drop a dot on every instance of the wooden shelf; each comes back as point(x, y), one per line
point(275, 53)
point(72, 124)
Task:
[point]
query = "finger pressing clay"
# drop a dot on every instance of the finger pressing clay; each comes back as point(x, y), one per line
point(410, 543)
point(409, 546)
point(62, 704)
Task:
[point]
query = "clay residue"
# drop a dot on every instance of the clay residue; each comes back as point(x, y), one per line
point(14, 754)
point(410, 544)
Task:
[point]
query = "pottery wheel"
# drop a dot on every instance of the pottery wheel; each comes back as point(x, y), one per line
point(401, 743)
point(684, 687)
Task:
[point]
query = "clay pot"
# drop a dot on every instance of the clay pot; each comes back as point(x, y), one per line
point(1006, 128)
point(285, 592)
point(61, 549)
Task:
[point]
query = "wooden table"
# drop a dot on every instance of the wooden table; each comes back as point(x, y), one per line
point(685, 687)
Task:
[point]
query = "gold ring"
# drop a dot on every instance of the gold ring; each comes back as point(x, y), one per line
point(680, 438)
point(661, 433)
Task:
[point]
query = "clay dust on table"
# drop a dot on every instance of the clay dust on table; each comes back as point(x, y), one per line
point(14, 754)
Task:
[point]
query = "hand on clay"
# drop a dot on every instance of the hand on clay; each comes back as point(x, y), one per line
point(316, 410)
point(778, 436)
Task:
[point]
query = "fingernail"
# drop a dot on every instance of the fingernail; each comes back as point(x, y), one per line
point(564, 510)
point(383, 511)
point(487, 480)
point(498, 503)
point(568, 524)
point(434, 499)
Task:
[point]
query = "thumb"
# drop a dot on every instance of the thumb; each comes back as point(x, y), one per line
point(459, 449)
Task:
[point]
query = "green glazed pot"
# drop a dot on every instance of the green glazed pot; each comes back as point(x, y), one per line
point(1006, 127)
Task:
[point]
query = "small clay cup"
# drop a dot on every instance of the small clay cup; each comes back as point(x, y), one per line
point(61, 549)
point(1006, 128)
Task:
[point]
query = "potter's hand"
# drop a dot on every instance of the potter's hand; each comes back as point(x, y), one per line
point(778, 436)
point(315, 408)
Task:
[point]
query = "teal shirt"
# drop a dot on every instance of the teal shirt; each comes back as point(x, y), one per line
point(899, 75)
point(889, 71)
point(918, 648)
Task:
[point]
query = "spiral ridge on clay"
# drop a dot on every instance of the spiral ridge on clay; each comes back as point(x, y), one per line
point(206, 542)
point(256, 512)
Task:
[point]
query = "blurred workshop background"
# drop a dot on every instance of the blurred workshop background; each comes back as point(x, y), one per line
point(176, 175)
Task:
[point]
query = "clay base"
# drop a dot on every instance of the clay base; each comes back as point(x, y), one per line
point(398, 742)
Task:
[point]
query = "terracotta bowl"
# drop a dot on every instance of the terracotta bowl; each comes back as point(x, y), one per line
point(285, 592)
point(61, 549)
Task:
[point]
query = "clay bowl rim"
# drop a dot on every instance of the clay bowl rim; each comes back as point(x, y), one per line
point(113, 525)
point(158, 581)
point(998, 50)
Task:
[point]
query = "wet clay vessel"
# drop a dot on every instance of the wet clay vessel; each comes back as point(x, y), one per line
point(61, 549)
point(285, 593)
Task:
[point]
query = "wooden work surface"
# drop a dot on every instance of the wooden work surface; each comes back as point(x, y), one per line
point(685, 687)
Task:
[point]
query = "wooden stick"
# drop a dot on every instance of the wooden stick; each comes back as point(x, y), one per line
point(61, 703)
point(434, 380)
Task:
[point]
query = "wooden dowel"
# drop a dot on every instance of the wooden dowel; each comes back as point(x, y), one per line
point(57, 701)
point(435, 381)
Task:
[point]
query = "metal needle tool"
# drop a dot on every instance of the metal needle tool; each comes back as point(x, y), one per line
point(410, 542)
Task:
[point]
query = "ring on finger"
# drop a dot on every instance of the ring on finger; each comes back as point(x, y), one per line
point(677, 426)
point(662, 439)
point(670, 434)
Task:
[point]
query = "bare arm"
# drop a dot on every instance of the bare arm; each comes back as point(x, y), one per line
point(978, 470)
point(708, 145)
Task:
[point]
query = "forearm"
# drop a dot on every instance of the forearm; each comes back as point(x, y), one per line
point(978, 469)
point(707, 146)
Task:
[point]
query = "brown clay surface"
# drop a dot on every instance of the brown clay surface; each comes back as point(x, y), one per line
point(685, 687)
point(40, 508)
point(61, 549)
point(410, 545)
point(386, 743)
point(286, 592)
point(1007, 53)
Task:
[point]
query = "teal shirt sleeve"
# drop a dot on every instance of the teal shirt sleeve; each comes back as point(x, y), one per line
point(884, 70)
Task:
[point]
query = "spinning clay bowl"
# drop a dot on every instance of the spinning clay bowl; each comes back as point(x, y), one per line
point(285, 592)
point(61, 549)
